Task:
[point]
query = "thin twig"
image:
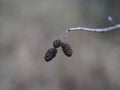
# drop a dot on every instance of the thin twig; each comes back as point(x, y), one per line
point(117, 26)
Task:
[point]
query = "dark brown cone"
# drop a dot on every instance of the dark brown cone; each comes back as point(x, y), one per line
point(67, 49)
point(50, 54)
point(57, 43)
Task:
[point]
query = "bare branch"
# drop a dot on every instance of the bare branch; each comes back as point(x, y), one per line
point(117, 26)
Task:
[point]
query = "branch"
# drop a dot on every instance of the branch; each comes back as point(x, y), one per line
point(67, 50)
point(117, 26)
point(114, 26)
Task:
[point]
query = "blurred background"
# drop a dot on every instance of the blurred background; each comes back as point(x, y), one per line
point(27, 30)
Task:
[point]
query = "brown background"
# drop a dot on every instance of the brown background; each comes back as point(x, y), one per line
point(27, 29)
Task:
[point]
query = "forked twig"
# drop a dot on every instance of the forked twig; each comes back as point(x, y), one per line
point(115, 26)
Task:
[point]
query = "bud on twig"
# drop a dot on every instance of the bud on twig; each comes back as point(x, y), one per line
point(50, 54)
point(67, 49)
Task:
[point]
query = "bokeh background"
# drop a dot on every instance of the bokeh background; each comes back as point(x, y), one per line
point(27, 30)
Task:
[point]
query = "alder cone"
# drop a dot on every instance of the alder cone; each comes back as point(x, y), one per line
point(50, 54)
point(67, 49)
point(57, 43)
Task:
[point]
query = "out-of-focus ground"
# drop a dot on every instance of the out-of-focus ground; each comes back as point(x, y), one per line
point(27, 29)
